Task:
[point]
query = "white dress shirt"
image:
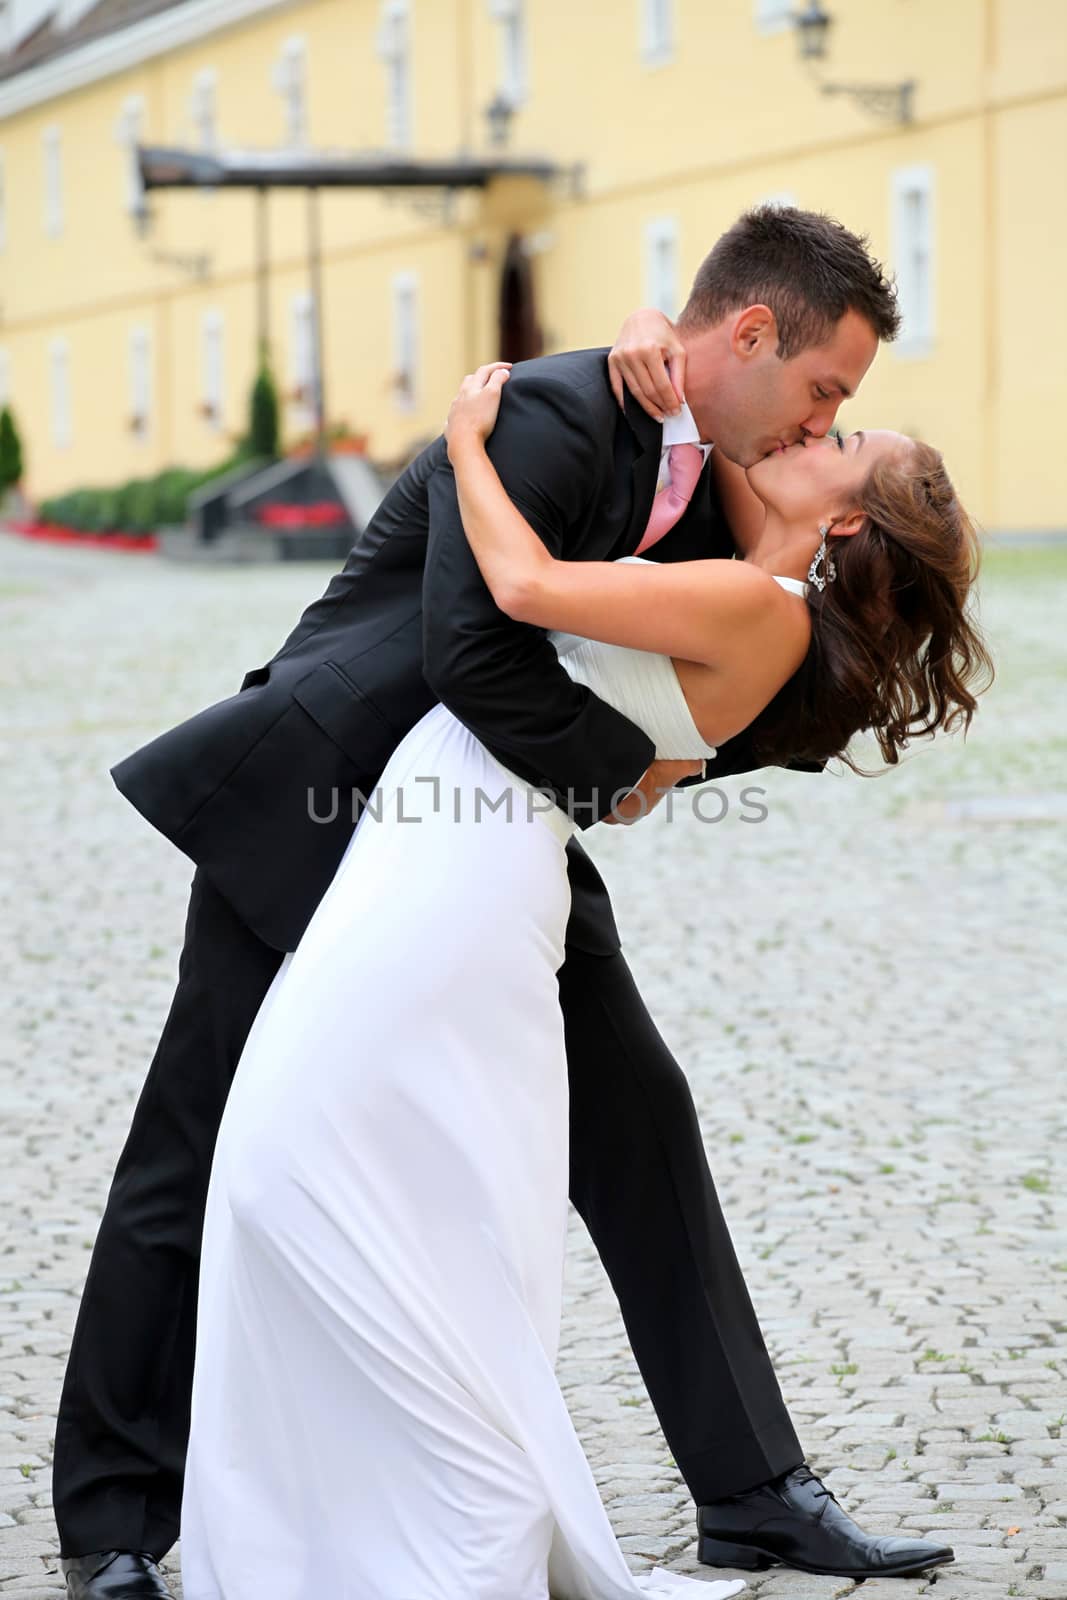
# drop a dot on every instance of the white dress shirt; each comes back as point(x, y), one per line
point(681, 429)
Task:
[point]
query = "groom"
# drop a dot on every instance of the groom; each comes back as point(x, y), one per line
point(784, 319)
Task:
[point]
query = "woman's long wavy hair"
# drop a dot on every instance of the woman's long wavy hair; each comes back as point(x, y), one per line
point(894, 649)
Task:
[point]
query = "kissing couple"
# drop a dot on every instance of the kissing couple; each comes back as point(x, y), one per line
point(395, 1049)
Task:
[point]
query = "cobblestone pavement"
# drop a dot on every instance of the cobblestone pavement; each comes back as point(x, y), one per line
point(866, 989)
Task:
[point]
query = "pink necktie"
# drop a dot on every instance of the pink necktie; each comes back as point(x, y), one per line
point(684, 463)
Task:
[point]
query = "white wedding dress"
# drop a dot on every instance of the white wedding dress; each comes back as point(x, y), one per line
point(375, 1411)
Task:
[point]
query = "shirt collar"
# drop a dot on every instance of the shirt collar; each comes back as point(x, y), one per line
point(682, 429)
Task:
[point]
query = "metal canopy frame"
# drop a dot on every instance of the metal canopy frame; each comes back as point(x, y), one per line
point(171, 167)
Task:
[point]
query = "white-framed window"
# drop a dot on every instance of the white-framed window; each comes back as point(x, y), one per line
point(405, 340)
point(129, 131)
point(394, 50)
point(778, 197)
point(52, 154)
point(212, 372)
point(59, 394)
point(510, 16)
point(5, 377)
point(3, 203)
point(913, 256)
point(661, 265)
point(302, 359)
point(204, 109)
point(657, 32)
point(773, 16)
point(139, 362)
point(291, 81)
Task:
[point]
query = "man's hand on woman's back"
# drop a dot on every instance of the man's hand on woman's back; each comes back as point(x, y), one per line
point(650, 789)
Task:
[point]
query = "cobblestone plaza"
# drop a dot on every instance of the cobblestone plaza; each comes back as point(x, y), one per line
point(866, 989)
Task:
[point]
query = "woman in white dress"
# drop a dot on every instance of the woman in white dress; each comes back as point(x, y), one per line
point(375, 1411)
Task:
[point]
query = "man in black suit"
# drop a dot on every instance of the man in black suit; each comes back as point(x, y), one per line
point(262, 790)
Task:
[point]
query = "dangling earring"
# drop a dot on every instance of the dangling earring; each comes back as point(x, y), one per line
point(823, 559)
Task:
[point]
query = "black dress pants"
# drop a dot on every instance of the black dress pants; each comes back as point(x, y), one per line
point(638, 1176)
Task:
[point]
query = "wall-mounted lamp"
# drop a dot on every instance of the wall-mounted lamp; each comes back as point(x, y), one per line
point(498, 114)
point(892, 100)
point(813, 27)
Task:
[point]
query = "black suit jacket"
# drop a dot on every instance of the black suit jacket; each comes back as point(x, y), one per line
point(258, 789)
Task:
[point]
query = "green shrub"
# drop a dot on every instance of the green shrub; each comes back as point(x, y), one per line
point(173, 488)
point(139, 506)
point(135, 506)
point(104, 509)
point(93, 509)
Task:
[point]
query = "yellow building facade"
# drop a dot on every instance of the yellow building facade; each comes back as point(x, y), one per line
point(125, 349)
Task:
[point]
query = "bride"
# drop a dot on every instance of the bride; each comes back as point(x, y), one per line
point(375, 1411)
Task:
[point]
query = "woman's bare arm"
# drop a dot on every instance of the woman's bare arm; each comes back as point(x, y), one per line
point(697, 610)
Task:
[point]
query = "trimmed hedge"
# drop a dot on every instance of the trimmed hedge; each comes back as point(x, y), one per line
point(140, 506)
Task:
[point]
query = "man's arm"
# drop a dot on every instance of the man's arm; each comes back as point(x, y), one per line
point(501, 678)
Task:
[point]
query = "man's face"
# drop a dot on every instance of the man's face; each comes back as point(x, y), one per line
point(751, 403)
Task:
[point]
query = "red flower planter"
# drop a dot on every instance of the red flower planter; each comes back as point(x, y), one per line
point(52, 533)
point(319, 514)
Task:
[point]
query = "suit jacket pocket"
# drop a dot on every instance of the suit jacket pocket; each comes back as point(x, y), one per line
point(346, 715)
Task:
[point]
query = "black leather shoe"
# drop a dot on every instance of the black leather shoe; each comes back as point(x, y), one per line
point(114, 1575)
point(796, 1522)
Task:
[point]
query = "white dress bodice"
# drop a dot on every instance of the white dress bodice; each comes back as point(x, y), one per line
point(643, 686)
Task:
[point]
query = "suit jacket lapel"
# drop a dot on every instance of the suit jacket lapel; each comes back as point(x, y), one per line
point(637, 470)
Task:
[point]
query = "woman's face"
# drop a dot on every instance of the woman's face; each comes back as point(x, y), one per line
point(819, 479)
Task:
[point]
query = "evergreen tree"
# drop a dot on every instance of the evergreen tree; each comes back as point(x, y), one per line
point(263, 415)
point(10, 451)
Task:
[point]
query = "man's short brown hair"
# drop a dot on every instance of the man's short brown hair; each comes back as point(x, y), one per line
point(808, 268)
